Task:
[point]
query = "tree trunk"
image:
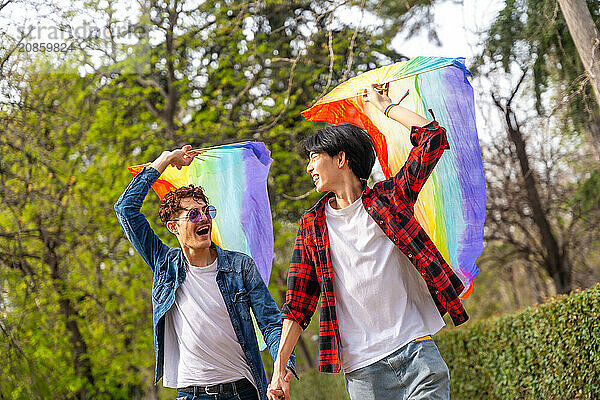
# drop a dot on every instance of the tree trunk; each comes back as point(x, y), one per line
point(593, 136)
point(586, 38)
point(554, 262)
point(81, 361)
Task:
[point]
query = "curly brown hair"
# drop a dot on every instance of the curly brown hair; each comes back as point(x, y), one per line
point(170, 205)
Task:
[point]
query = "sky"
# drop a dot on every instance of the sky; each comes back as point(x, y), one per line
point(460, 29)
point(460, 25)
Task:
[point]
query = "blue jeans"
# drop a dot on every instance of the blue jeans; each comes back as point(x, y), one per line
point(247, 393)
point(416, 371)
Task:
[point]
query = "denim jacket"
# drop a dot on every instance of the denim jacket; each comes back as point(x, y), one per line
point(238, 280)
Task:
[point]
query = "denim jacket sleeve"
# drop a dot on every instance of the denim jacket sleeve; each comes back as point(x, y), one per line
point(265, 310)
point(134, 223)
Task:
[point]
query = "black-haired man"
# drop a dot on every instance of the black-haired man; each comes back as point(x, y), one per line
point(382, 282)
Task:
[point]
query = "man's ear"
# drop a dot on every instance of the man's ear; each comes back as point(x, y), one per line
point(342, 160)
point(172, 227)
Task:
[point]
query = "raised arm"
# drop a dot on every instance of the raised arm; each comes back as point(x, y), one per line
point(128, 207)
point(378, 96)
point(428, 138)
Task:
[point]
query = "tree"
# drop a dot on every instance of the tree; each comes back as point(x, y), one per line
point(534, 33)
point(537, 219)
point(213, 72)
point(586, 38)
point(66, 301)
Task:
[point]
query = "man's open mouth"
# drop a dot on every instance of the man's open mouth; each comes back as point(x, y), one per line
point(202, 231)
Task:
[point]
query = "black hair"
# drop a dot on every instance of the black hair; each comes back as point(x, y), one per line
point(349, 138)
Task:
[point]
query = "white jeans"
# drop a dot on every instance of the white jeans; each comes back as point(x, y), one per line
point(416, 371)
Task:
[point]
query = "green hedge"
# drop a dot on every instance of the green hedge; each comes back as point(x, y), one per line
point(550, 351)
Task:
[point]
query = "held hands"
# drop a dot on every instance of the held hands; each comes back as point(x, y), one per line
point(279, 388)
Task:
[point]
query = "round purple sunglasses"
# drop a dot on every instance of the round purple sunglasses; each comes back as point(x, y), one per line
point(195, 214)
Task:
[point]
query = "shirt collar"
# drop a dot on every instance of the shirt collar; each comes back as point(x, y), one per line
point(222, 260)
point(319, 207)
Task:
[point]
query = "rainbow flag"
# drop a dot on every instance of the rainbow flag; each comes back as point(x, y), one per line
point(451, 205)
point(234, 178)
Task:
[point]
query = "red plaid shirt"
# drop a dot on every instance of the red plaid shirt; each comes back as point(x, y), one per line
point(391, 204)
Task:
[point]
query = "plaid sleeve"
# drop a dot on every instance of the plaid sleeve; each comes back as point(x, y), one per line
point(429, 144)
point(303, 288)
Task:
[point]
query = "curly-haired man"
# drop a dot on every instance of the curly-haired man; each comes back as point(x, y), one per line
point(204, 339)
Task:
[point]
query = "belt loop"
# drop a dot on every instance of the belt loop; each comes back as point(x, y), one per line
point(234, 387)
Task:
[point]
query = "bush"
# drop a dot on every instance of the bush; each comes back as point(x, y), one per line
point(550, 351)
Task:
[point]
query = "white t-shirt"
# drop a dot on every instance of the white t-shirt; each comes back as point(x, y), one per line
point(382, 303)
point(201, 347)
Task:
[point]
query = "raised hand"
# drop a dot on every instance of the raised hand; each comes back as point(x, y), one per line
point(178, 158)
point(377, 94)
point(183, 157)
